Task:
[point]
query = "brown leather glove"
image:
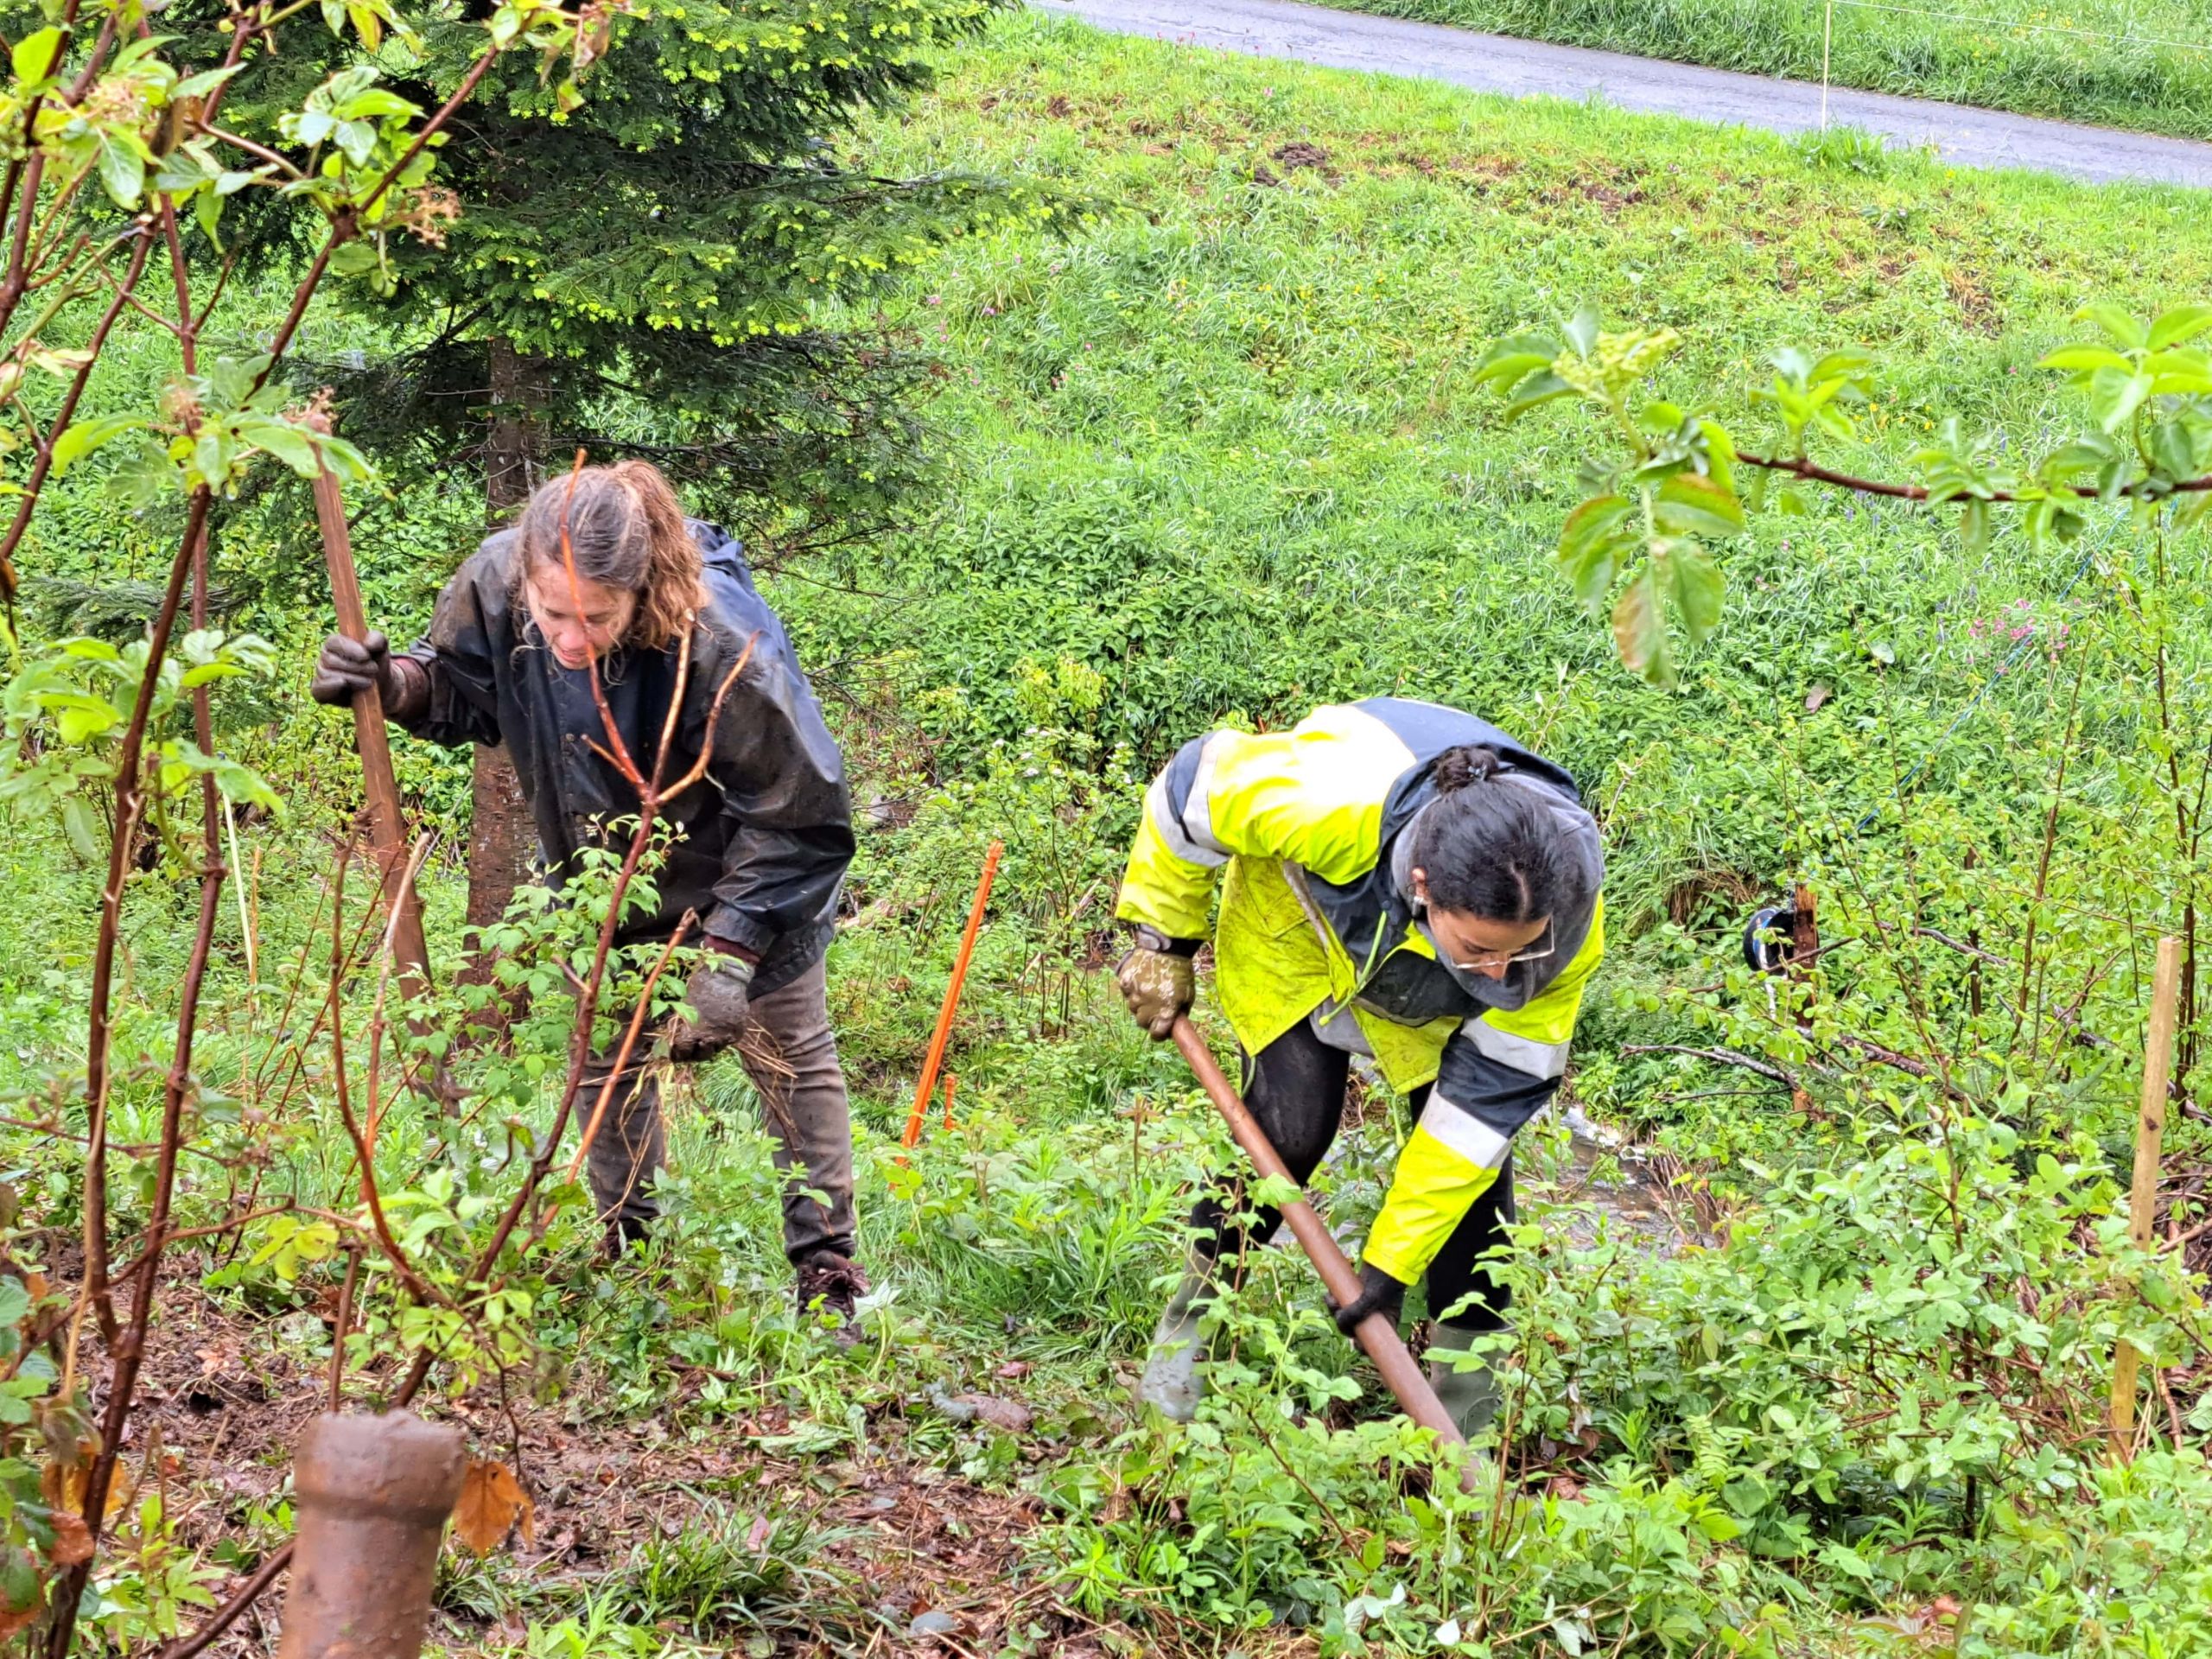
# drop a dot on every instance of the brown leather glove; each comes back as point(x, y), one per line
point(1157, 981)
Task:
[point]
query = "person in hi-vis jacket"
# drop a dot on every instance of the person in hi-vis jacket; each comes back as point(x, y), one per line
point(1400, 880)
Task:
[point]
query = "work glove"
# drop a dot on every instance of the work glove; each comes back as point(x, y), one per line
point(346, 668)
point(718, 992)
point(1378, 1293)
point(1157, 980)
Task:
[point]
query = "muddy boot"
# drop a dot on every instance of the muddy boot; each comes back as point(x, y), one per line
point(830, 1284)
point(1171, 1384)
point(624, 1234)
point(1466, 1387)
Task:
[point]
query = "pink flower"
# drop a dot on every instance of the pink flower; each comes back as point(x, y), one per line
point(934, 299)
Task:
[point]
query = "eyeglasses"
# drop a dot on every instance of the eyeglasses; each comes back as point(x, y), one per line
point(1494, 961)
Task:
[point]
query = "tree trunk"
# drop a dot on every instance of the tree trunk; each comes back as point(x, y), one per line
point(500, 834)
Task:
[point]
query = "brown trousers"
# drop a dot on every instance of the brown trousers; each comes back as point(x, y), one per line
point(803, 1105)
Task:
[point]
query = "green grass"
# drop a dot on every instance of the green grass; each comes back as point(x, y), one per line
point(2140, 64)
point(1226, 456)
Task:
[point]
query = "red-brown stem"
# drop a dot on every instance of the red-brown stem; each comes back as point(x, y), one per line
point(1814, 473)
point(30, 176)
point(629, 1042)
point(418, 1287)
point(396, 914)
point(128, 1354)
point(129, 800)
point(43, 463)
point(579, 1033)
point(225, 1616)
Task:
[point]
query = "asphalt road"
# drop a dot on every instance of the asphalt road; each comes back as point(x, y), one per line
point(1497, 63)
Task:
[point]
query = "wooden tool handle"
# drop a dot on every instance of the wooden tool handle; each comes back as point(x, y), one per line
point(387, 828)
point(1401, 1373)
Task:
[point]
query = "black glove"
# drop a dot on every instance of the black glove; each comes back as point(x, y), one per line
point(1378, 1293)
point(346, 668)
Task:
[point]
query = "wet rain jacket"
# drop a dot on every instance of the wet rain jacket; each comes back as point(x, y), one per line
point(1307, 829)
point(767, 833)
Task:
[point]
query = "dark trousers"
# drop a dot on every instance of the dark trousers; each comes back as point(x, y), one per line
point(792, 1056)
point(1295, 1087)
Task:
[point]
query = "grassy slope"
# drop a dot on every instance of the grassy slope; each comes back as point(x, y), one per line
point(2143, 64)
point(1226, 453)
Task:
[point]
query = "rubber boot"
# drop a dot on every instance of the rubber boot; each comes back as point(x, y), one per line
point(1466, 1387)
point(1172, 1384)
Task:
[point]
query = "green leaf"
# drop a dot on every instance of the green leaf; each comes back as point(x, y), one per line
point(208, 213)
point(1582, 330)
point(2082, 359)
point(1589, 546)
point(33, 56)
point(1689, 504)
point(123, 173)
point(2183, 322)
point(1973, 526)
point(80, 824)
point(82, 437)
point(205, 82)
point(1696, 585)
point(1539, 388)
point(2115, 395)
point(377, 101)
point(2127, 333)
point(1639, 633)
point(290, 445)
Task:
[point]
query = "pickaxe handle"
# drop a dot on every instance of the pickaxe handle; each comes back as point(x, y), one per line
point(1401, 1373)
point(387, 829)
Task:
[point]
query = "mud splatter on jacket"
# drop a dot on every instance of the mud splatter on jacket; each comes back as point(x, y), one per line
point(1315, 925)
point(767, 832)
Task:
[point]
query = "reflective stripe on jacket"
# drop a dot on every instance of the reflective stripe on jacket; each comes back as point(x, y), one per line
point(1303, 830)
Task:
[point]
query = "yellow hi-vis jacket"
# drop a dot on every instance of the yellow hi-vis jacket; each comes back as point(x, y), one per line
point(1305, 827)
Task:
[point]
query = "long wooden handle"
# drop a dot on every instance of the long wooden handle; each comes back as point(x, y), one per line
point(387, 829)
point(1402, 1374)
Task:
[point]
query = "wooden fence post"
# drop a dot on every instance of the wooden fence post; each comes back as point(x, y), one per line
point(2143, 1191)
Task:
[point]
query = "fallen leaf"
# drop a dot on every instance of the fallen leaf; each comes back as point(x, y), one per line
point(756, 1539)
point(492, 1503)
point(1009, 1415)
point(1013, 1369)
point(73, 1539)
point(1814, 698)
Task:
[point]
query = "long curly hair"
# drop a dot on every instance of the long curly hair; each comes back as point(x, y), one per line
point(625, 529)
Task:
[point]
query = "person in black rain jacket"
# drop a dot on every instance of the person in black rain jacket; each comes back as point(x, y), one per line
point(764, 838)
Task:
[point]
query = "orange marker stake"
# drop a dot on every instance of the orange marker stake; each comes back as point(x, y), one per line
point(936, 1059)
point(950, 1080)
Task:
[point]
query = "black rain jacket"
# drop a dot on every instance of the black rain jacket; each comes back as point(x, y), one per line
point(767, 833)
